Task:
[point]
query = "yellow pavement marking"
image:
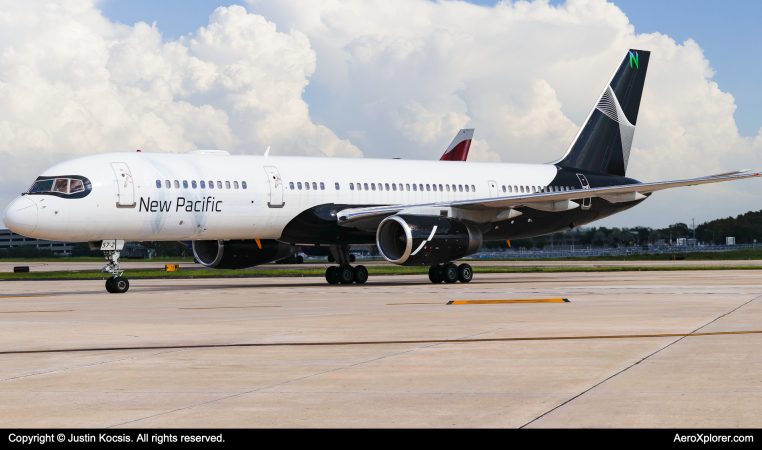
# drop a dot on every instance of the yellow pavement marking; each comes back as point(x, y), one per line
point(235, 307)
point(488, 302)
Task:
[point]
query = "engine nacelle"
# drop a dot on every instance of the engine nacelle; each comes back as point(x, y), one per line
point(411, 240)
point(239, 254)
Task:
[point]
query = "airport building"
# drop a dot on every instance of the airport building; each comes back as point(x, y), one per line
point(10, 239)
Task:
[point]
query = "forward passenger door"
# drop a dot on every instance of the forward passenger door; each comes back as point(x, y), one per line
point(125, 187)
point(276, 187)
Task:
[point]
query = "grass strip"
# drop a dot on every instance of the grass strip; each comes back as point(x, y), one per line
point(319, 272)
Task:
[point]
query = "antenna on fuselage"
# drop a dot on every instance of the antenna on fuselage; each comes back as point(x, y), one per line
point(267, 151)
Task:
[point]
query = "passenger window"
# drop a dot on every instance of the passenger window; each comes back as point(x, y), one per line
point(78, 186)
point(177, 184)
point(61, 185)
point(522, 189)
point(510, 190)
point(533, 190)
point(193, 184)
point(202, 184)
point(373, 186)
point(440, 188)
point(314, 185)
point(219, 185)
point(473, 188)
point(387, 186)
point(235, 184)
point(299, 185)
point(394, 187)
point(243, 184)
point(503, 188)
point(460, 187)
point(158, 184)
point(185, 184)
point(434, 186)
point(307, 185)
point(466, 188)
point(167, 184)
point(407, 187)
point(337, 186)
point(227, 185)
point(351, 186)
point(291, 185)
point(415, 187)
point(366, 186)
point(420, 187)
point(211, 184)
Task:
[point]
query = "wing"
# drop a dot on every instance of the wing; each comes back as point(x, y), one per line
point(486, 209)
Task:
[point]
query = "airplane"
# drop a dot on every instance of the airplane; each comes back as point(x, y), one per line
point(244, 210)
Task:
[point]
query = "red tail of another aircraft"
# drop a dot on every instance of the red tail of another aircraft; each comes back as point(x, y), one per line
point(458, 149)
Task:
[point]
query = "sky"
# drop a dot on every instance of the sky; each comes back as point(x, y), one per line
point(357, 78)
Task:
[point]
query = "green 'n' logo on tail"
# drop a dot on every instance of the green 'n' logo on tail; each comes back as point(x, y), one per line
point(634, 58)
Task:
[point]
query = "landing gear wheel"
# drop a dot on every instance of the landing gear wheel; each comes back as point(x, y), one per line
point(300, 259)
point(435, 274)
point(465, 273)
point(332, 275)
point(450, 273)
point(346, 275)
point(110, 285)
point(120, 285)
point(361, 274)
point(352, 258)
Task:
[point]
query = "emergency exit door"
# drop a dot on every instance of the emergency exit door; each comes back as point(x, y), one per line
point(276, 187)
point(586, 202)
point(124, 185)
point(492, 188)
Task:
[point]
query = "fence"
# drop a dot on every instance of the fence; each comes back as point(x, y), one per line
point(619, 251)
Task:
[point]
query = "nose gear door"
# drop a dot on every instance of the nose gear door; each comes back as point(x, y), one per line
point(492, 188)
point(585, 185)
point(276, 187)
point(124, 185)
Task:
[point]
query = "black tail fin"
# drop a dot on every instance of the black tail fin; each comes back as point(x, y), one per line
point(604, 141)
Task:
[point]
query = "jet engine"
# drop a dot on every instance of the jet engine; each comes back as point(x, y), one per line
point(411, 240)
point(239, 254)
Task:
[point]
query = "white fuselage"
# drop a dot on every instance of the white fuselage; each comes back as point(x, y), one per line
point(261, 210)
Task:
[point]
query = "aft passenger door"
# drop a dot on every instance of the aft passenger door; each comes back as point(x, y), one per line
point(492, 188)
point(276, 187)
point(585, 185)
point(125, 187)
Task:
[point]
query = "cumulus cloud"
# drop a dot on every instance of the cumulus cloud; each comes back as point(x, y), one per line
point(407, 74)
point(74, 83)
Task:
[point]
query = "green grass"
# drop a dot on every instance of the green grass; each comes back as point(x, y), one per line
point(319, 272)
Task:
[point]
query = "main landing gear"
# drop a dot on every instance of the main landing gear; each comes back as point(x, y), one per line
point(450, 273)
point(116, 283)
point(344, 273)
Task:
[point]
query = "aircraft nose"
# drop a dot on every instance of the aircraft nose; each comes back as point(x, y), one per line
point(21, 216)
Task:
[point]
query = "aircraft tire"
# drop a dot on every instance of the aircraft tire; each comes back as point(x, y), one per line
point(361, 274)
point(332, 275)
point(346, 275)
point(121, 285)
point(352, 258)
point(110, 285)
point(450, 273)
point(300, 259)
point(436, 275)
point(465, 273)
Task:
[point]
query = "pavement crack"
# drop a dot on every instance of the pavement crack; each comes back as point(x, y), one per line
point(637, 362)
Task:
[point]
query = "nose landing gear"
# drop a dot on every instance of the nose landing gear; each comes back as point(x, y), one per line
point(116, 283)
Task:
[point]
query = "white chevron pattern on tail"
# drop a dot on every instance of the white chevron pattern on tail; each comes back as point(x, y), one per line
point(609, 105)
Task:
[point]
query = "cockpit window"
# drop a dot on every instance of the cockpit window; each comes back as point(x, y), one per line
point(61, 185)
point(41, 186)
point(72, 186)
point(76, 186)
